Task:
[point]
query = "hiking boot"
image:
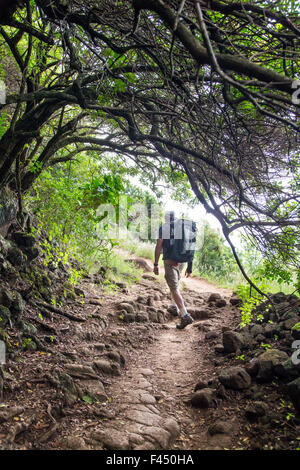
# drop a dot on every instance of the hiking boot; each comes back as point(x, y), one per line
point(185, 321)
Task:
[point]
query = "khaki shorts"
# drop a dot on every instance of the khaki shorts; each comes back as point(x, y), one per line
point(173, 273)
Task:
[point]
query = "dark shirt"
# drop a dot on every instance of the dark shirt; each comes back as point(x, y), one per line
point(165, 232)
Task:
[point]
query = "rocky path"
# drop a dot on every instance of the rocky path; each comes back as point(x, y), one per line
point(191, 389)
point(151, 398)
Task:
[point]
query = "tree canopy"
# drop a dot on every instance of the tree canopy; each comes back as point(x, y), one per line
point(206, 88)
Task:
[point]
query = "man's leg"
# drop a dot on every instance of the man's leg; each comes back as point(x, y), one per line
point(172, 276)
point(178, 301)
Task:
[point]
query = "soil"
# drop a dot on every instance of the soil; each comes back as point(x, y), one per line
point(146, 403)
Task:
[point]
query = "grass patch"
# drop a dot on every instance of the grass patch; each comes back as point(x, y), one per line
point(138, 248)
point(123, 271)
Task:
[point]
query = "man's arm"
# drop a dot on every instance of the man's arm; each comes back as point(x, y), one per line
point(157, 254)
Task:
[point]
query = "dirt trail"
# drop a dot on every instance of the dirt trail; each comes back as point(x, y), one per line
point(200, 285)
point(150, 399)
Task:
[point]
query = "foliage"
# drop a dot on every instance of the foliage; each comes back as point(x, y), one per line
point(268, 270)
point(250, 301)
point(66, 211)
point(269, 274)
point(65, 200)
point(214, 260)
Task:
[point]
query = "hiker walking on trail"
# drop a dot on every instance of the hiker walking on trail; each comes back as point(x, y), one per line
point(176, 239)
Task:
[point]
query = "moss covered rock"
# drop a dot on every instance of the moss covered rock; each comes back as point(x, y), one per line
point(28, 329)
point(296, 331)
point(23, 239)
point(5, 338)
point(16, 257)
point(5, 316)
point(6, 297)
point(29, 345)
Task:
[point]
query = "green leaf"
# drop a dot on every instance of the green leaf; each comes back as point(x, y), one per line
point(88, 399)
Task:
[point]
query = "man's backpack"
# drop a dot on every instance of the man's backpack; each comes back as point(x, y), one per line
point(183, 240)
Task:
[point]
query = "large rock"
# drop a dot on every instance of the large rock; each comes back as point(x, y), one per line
point(287, 369)
point(203, 398)
point(255, 410)
point(126, 306)
point(232, 341)
point(31, 253)
point(23, 239)
point(200, 313)
point(73, 443)
point(6, 298)
point(5, 316)
point(235, 378)
point(129, 317)
point(221, 303)
point(221, 427)
point(214, 297)
point(107, 367)
point(116, 356)
point(267, 362)
point(256, 330)
point(270, 330)
point(66, 387)
point(293, 389)
point(142, 317)
point(8, 209)
point(16, 257)
point(171, 425)
point(159, 435)
point(252, 367)
point(290, 323)
point(93, 389)
point(17, 307)
point(112, 439)
point(146, 418)
point(236, 301)
point(279, 297)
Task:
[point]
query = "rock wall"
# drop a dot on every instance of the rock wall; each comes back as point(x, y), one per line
point(8, 210)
